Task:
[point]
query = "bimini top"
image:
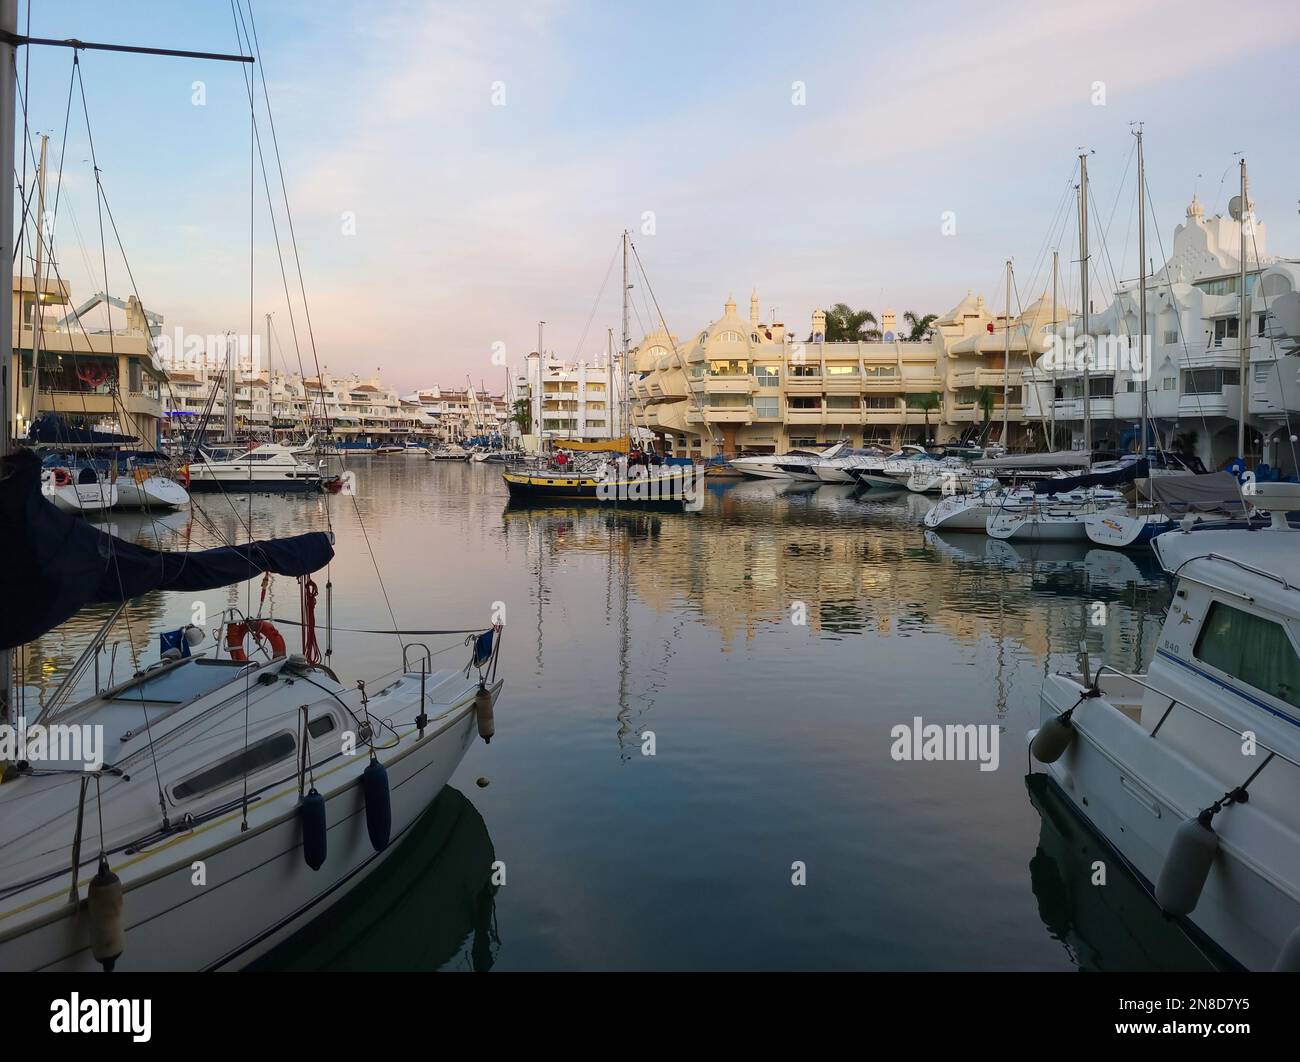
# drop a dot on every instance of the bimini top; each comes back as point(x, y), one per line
point(53, 563)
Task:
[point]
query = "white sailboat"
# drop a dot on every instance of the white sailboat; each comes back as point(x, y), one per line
point(287, 784)
point(79, 489)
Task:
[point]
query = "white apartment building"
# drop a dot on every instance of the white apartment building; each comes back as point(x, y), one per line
point(454, 415)
point(1194, 336)
point(281, 402)
point(577, 402)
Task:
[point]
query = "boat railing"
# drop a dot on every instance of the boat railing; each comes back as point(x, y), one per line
point(1176, 702)
point(1261, 572)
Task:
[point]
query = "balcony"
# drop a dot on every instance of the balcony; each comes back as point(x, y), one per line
point(803, 385)
point(729, 415)
point(728, 385)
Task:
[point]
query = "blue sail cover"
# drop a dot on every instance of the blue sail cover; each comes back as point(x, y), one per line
point(50, 429)
point(52, 563)
point(1115, 477)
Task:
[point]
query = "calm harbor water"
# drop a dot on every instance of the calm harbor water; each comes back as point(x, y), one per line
point(767, 646)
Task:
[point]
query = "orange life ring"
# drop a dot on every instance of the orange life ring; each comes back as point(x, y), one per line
point(183, 476)
point(237, 632)
point(62, 477)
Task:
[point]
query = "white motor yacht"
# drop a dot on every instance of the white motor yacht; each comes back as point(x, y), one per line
point(836, 469)
point(894, 469)
point(266, 467)
point(796, 464)
point(1190, 771)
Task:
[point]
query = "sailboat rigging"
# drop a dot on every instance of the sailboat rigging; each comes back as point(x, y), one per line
point(245, 763)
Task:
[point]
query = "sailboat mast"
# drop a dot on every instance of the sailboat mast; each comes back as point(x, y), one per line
point(1243, 321)
point(1056, 265)
point(624, 411)
point(36, 280)
point(1143, 346)
point(8, 79)
point(1006, 367)
point(1083, 281)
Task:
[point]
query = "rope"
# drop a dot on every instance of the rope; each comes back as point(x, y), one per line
point(308, 591)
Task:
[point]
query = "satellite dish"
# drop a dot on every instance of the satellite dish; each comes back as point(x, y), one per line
point(1234, 207)
point(889, 337)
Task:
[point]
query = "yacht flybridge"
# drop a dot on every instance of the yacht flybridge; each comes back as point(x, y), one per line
point(1190, 772)
point(288, 784)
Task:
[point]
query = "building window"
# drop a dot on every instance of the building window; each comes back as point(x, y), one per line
point(730, 336)
point(841, 370)
point(767, 376)
point(842, 402)
point(881, 402)
point(767, 407)
point(1209, 381)
point(803, 404)
point(1224, 328)
point(805, 372)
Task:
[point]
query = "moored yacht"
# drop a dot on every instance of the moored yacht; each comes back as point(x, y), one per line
point(1190, 771)
point(795, 464)
point(266, 467)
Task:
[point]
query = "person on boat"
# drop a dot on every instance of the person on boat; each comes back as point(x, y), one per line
point(561, 460)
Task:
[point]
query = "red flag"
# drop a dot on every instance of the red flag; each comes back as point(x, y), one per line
point(989, 326)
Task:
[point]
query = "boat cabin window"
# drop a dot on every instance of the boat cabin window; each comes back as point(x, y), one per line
point(1251, 648)
point(320, 726)
point(259, 754)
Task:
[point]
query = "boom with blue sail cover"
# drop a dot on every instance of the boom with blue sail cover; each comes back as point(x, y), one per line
point(56, 564)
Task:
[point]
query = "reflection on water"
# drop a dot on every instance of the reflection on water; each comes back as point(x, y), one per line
point(430, 906)
point(1112, 927)
point(762, 649)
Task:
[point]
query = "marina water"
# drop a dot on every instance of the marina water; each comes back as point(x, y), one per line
point(692, 766)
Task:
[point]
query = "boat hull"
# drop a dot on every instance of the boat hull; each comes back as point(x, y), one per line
point(150, 492)
point(670, 492)
point(258, 891)
point(1135, 792)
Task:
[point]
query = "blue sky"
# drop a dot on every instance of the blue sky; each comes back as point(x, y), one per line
point(473, 220)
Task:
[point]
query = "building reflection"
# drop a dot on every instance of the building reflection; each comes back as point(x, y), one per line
point(858, 564)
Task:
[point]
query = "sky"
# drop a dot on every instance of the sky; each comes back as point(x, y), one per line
point(459, 171)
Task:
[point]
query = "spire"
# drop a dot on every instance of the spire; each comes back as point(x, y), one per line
point(730, 308)
point(753, 308)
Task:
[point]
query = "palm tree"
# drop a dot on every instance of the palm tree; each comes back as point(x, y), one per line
point(847, 325)
point(984, 399)
point(921, 326)
point(925, 402)
point(522, 414)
